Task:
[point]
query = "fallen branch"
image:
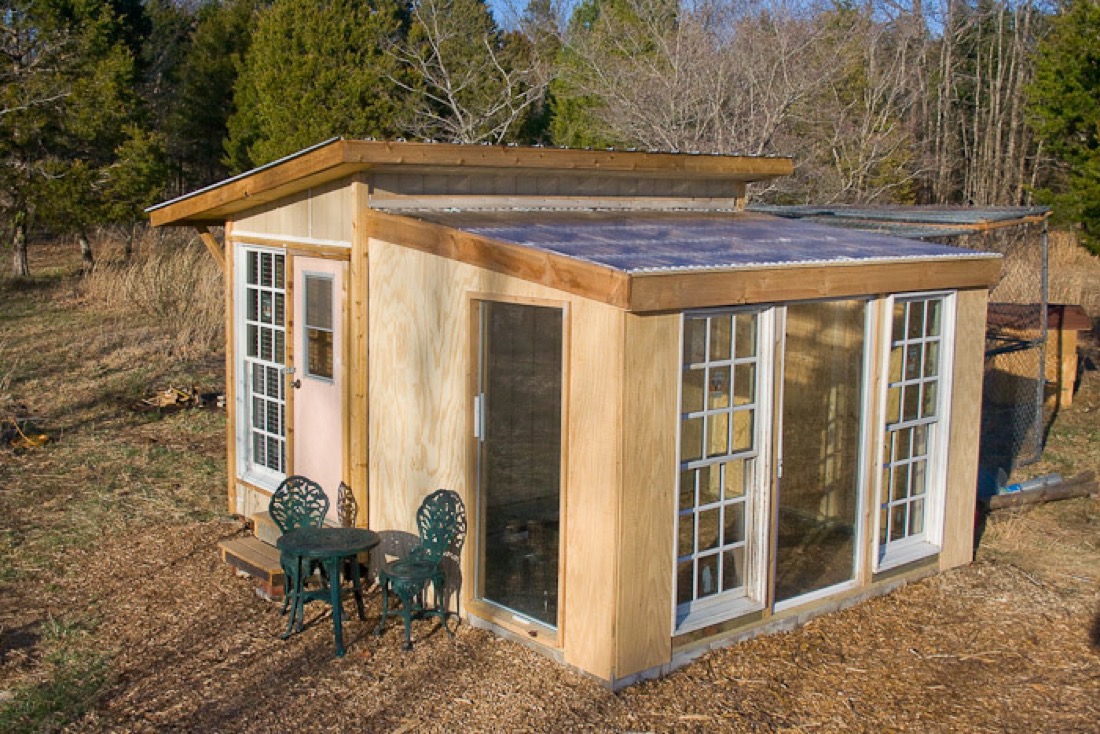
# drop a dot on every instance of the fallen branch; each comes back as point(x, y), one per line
point(1081, 485)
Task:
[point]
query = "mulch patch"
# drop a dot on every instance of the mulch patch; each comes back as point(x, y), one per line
point(990, 647)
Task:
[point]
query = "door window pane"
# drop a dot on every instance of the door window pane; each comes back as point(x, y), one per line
point(318, 326)
point(520, 467)
point(822, 410)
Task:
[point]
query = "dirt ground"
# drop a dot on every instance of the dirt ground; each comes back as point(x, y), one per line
point(1009, 643)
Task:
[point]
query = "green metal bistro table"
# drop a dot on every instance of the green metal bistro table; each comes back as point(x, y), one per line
point(330, 546)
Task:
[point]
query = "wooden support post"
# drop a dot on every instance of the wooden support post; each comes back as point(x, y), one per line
point(211, 243)
point(1067, 365)
point(358, 366)
point(230, 377)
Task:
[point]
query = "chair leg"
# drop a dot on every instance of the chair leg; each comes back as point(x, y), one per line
point(441, 604)
point(385, 584)
point(408, 631)
point(286, 589)
point(293, 584)
point(407, 592)
point(357, 588)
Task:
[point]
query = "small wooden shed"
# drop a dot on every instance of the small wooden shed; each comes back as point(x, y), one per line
point(674, 423)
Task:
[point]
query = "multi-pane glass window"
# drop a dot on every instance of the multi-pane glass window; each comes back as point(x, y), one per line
point(265, 356)
point(717, 453)
point(318, 326)
point(915, 378)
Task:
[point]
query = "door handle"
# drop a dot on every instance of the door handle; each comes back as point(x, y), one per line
point(296, 384)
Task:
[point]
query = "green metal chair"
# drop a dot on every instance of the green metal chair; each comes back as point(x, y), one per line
point(297, 503)
point(441, 521)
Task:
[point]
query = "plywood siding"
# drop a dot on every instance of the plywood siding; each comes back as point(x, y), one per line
point(594, 475)
point(652, 368)
point(420, 365)
point(966, 408)
point(321, 214)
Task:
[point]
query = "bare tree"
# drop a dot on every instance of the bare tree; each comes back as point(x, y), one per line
point(474, 83)
point(709, 78)
point(856, 126)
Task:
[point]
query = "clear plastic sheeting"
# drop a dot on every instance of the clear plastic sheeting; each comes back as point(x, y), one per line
point(640, 242)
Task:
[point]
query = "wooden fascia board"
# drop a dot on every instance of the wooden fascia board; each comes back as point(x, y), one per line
point(264, 186)
point(345, 157)
point(658, 292)
point(495, 157)
point(567, 274)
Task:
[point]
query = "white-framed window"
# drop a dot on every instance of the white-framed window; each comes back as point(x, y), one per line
point(722, 469)
point(262, 346)
point(318, 327)
point(917, 366)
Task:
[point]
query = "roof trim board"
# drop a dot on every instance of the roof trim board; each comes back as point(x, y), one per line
point(339, 158)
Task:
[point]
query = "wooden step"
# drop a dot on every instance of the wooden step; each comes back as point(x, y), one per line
point(264, 528)
point(256, 558)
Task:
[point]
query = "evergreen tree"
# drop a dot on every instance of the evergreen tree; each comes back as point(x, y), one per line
point(574, 109)
point(1065, 100)
point(198, 123)
point(65, 96)
point(316, 69)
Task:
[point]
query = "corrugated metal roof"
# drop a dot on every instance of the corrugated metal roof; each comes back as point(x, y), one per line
point(911, 221)
point(637, 242)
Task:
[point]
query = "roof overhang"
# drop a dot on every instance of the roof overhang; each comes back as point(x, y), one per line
point(338, 158)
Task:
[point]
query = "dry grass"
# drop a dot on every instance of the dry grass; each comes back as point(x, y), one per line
point(1074, 273)
point(172, 279)
point(1073, 276)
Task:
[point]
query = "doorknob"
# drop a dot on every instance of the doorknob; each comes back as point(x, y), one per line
point(296, 384)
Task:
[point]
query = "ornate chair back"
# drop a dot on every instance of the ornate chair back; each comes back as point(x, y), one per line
point(439, 519)
point(298, 503)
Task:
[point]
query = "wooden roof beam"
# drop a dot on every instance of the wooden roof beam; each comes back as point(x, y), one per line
point(341, 158)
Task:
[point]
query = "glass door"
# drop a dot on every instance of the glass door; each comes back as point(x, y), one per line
point(519, 463)
point(823, 388)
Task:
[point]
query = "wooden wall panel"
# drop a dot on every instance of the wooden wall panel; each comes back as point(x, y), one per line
point(324, 214)
point(330, 216)
point(647, 506)
point(594, 478)
point(966, 410)
point(420, 364)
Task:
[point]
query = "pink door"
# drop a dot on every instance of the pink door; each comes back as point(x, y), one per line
point(319, 373)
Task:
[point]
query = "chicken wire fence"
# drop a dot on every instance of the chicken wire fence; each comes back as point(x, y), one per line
point(1014, 389)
